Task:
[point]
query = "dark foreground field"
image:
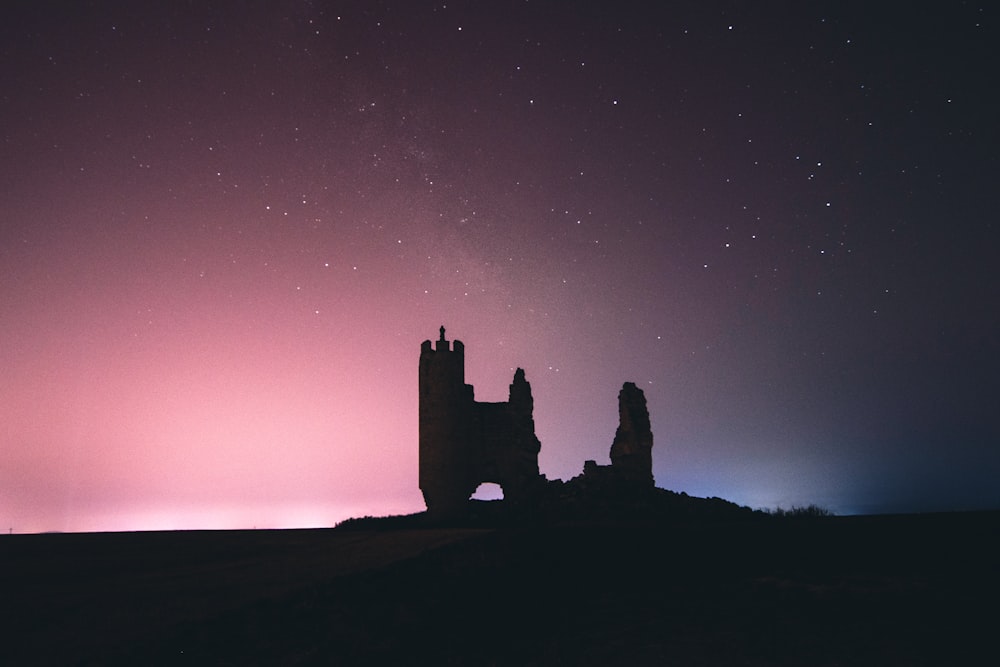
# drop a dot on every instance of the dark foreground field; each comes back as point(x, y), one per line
point(905, 590)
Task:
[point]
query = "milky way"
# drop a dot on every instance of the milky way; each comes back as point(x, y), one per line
point(227, 229)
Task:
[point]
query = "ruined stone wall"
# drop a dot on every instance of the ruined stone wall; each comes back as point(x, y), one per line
point(464, 443)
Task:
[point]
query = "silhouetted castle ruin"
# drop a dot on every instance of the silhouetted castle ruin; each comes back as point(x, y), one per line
point(464, 443)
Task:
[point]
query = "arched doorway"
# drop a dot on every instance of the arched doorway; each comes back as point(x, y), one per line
point(488, 491)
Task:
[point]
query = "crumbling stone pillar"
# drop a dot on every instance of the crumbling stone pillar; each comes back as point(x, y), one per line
point(632, 449)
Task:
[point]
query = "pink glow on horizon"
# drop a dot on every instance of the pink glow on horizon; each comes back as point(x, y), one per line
point(108, 414)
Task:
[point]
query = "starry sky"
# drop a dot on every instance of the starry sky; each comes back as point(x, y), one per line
point(226, 228)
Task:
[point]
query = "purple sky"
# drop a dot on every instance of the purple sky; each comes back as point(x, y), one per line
point(227, 227)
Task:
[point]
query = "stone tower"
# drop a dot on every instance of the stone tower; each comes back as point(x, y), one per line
point(632, 449)
point(464, 443)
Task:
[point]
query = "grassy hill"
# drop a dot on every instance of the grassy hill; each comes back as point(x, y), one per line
point(894, 590)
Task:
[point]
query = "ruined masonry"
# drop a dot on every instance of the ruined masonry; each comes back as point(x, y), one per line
point(632, 450)
point(464, 443)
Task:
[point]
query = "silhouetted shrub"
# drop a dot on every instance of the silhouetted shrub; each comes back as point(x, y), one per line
point(808, 512)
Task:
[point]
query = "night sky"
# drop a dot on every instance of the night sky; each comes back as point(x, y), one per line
point(227, 227)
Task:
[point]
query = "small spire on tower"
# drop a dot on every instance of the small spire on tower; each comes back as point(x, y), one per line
point(442, 332)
